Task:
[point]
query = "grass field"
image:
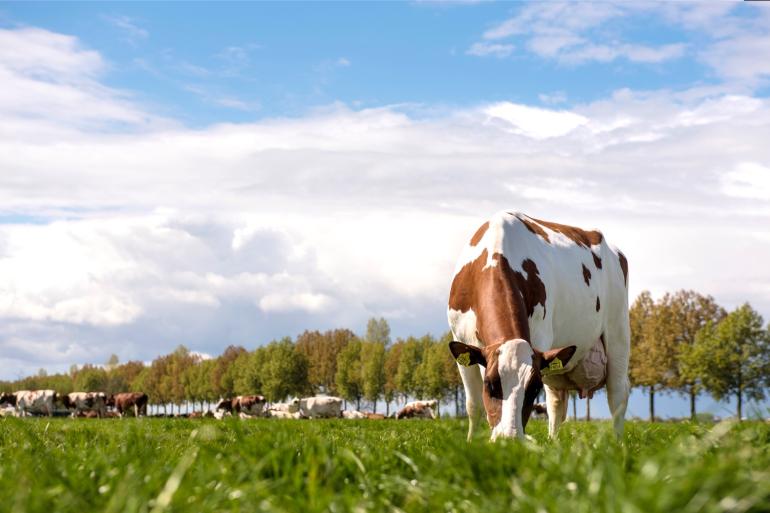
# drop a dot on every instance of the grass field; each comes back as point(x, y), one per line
point(66, 465)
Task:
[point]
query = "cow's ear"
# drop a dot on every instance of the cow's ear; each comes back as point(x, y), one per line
point(556, 359)
point(467, 355)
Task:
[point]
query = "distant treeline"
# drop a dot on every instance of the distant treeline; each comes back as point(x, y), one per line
point(684, 342)
point(369, 368)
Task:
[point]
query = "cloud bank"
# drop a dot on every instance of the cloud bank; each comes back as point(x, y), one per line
point(125, 232)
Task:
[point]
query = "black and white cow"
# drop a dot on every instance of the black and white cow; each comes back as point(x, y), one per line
point(531, 303)
point(82, 402)
point(35, 402)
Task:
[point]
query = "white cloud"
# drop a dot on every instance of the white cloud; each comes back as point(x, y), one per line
point(748, 180)
point(238, 233)
point(535, 122)
point(129, 27)
point(482, 49)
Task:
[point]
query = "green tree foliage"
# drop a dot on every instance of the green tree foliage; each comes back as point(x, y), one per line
point(406, 374)
point(452, 377)
point(689, 313)
point(90, 379)
point(653, 360)
point(321, 351)
point(392, 362)
point(373, 371)
point(283, 370)
point(731, 357)
point(378, 330)
point(222, 379)
point(349, 376)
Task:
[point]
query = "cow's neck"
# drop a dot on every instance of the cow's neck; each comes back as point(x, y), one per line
point(500, 308)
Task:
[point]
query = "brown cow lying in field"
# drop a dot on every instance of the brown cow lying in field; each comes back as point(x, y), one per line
point(129, 400)
point(418, 410)
point(243, 405)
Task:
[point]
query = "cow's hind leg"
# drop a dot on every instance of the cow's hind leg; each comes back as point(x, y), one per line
point(474, 402)
point(618, 344)
point(556, 404)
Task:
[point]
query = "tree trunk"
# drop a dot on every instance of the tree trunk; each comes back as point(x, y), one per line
point(652, 404)
point(740, 405)
point(692, 403)
point(574, 406)
point(374, 406)
point(387, 408)
point(457, 401)
point(588, 409)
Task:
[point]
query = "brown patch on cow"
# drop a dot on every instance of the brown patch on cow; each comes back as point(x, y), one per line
point(584, 238)
point(586, 275)
point(534, 228)
point(493, 294)
point(531, 287)
point(623, 267)
point(597, 303)
point(493, 389)
point(479, 234)
point(597, 260)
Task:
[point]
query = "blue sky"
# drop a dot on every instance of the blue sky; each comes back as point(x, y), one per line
point(240, 61)
point(229, 173)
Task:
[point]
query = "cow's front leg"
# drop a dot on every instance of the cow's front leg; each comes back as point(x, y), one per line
point(474, 402)
point(556, 404)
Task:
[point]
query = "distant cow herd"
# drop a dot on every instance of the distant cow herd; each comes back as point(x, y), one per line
point(100, 405)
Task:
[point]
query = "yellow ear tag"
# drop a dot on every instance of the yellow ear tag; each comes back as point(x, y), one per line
point(555, 365)
point(464, 359)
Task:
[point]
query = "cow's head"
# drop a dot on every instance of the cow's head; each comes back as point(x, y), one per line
point(110, 400)
point(7, 398)
point(512, 380)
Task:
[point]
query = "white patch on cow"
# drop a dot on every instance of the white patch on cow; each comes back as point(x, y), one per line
point(514, 363)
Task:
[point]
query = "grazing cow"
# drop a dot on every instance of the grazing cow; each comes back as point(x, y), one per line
point(127, 401)
point(244, 405)
point(290, 407)
point(353, 414)
point(532, 303)
point(321, 406)
point(86, 401)
point(35, 402)
point(418, 410)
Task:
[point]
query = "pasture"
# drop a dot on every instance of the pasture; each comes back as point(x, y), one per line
point(138, 465)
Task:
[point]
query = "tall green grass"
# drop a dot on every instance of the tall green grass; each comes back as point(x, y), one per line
point(144, 465)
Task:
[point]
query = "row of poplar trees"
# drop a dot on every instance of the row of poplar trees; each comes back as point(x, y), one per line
point(686, 343)
point(368, 369)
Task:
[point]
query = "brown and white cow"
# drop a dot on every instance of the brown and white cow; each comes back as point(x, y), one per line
point(129, 401)
point(418, 410)
point(534, 302)
point(243, 405)
point(35, 402)
point(86, 402)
